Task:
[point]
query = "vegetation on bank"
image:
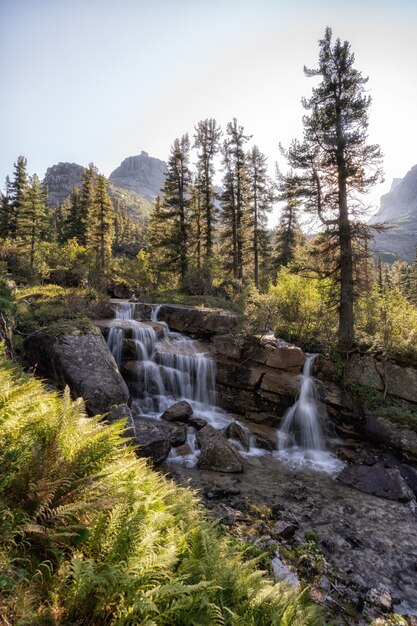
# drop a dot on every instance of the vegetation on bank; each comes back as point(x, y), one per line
point(89, 534)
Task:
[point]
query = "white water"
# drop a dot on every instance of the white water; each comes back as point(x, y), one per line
point(301, 440)
point(170, 367)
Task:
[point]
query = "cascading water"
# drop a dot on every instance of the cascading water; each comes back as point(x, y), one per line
point(301, 440)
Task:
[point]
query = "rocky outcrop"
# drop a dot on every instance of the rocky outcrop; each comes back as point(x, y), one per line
point(84, 363)
point(59, 181)
point(141, 173)
point(381, 431)
point(400, 382)
point(399, 210)
point(378, 481)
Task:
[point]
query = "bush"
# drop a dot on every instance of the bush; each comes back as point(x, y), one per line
point(91, 535)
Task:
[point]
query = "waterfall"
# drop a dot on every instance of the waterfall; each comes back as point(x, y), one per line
point(301, 440)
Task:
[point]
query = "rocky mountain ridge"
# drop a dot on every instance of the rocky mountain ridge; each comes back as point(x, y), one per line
point(398, 209)
point(141, 173)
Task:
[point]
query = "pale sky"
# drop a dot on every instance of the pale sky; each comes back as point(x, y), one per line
point(100, 80)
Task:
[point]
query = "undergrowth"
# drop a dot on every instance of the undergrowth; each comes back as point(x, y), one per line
point(398, 411)
point(90, 535)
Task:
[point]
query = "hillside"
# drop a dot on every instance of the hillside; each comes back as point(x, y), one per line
point(398, 210)
point(62, 177)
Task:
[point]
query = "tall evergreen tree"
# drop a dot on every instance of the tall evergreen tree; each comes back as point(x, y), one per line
point(5, 212)
point(287, 235)
point(100, 223)
point(17, 194)
point(335, 161)
point(260, 196)
point(174, 209)
point(84, 204)
point(234, 199)
point(32, 218)
point(206, 139)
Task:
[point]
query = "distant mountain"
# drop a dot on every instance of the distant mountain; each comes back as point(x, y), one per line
point(398, 209)
point(62, 177)
point(141, 173)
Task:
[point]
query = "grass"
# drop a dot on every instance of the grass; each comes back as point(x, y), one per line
point(89, 534)
point(57, 309)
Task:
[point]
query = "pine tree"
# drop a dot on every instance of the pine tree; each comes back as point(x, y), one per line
point(84, 204)
point(5, 212)
point(287, 235)
point(32, 218)
point(335, 162)
point(260, 196)
point(234, 199)
point(100, 223)
point(174, 209)
point(207, 139)
point(17, 195)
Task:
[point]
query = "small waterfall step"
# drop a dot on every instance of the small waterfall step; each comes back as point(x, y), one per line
point(301, 438)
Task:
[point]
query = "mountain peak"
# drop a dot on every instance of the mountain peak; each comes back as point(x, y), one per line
point(141, 173)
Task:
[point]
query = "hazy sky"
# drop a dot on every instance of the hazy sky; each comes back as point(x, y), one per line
point(100, 80)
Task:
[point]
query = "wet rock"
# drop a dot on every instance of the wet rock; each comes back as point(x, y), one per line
point(178, 412)
point(280, 386)
point(410, 476)
point(235, 431)
point(216, 453)
point(382, 431)
point(197, 422)
point(378, 481)
point(265, 442)
point(81, 361)
point(269, 419)
point(286, 357)
point(241, 376)
point(152, 438)
point(177, 433)
point(380, 597)
point(183, 450)
point(197, 321)
point(128, 327)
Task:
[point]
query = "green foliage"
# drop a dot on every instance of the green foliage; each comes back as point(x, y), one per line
point(91, 535)
point(296, 309)
point(397, 411)
point(58, 309)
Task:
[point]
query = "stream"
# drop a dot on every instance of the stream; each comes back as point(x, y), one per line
point(355, 529)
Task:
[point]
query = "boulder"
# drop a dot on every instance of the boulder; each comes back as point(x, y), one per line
point(177, 433)
point(265, 442)
point(286, 385)
point(152, 438)
point(81, 361)
point(380, 597)
point(178, 412)
point(198, 321)
point(377, 480)
point(382, 431)
point(236, 431)
point(197, 422)
point(216, 453)
point(410, 476)
point(242, 376)
point(363, 370)
point(122, 412)
point(286, 357)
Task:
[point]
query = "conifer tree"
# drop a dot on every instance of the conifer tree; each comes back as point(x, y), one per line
point(206, 139)
point(17, 195)
point(335, 162)
point(84, 204)
point(287, 235)
point(5, 212)
point(234, 199)
point(260, 196)
point(32, 218)
point(174, 209)
point(100, 223)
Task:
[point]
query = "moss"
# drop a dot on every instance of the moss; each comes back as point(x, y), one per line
point(78, 326)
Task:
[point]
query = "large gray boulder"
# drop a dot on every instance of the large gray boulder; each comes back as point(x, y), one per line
point(378, 481)
point(152, 438)
point(397, 438)
point(81, 361)
point(216, 453)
